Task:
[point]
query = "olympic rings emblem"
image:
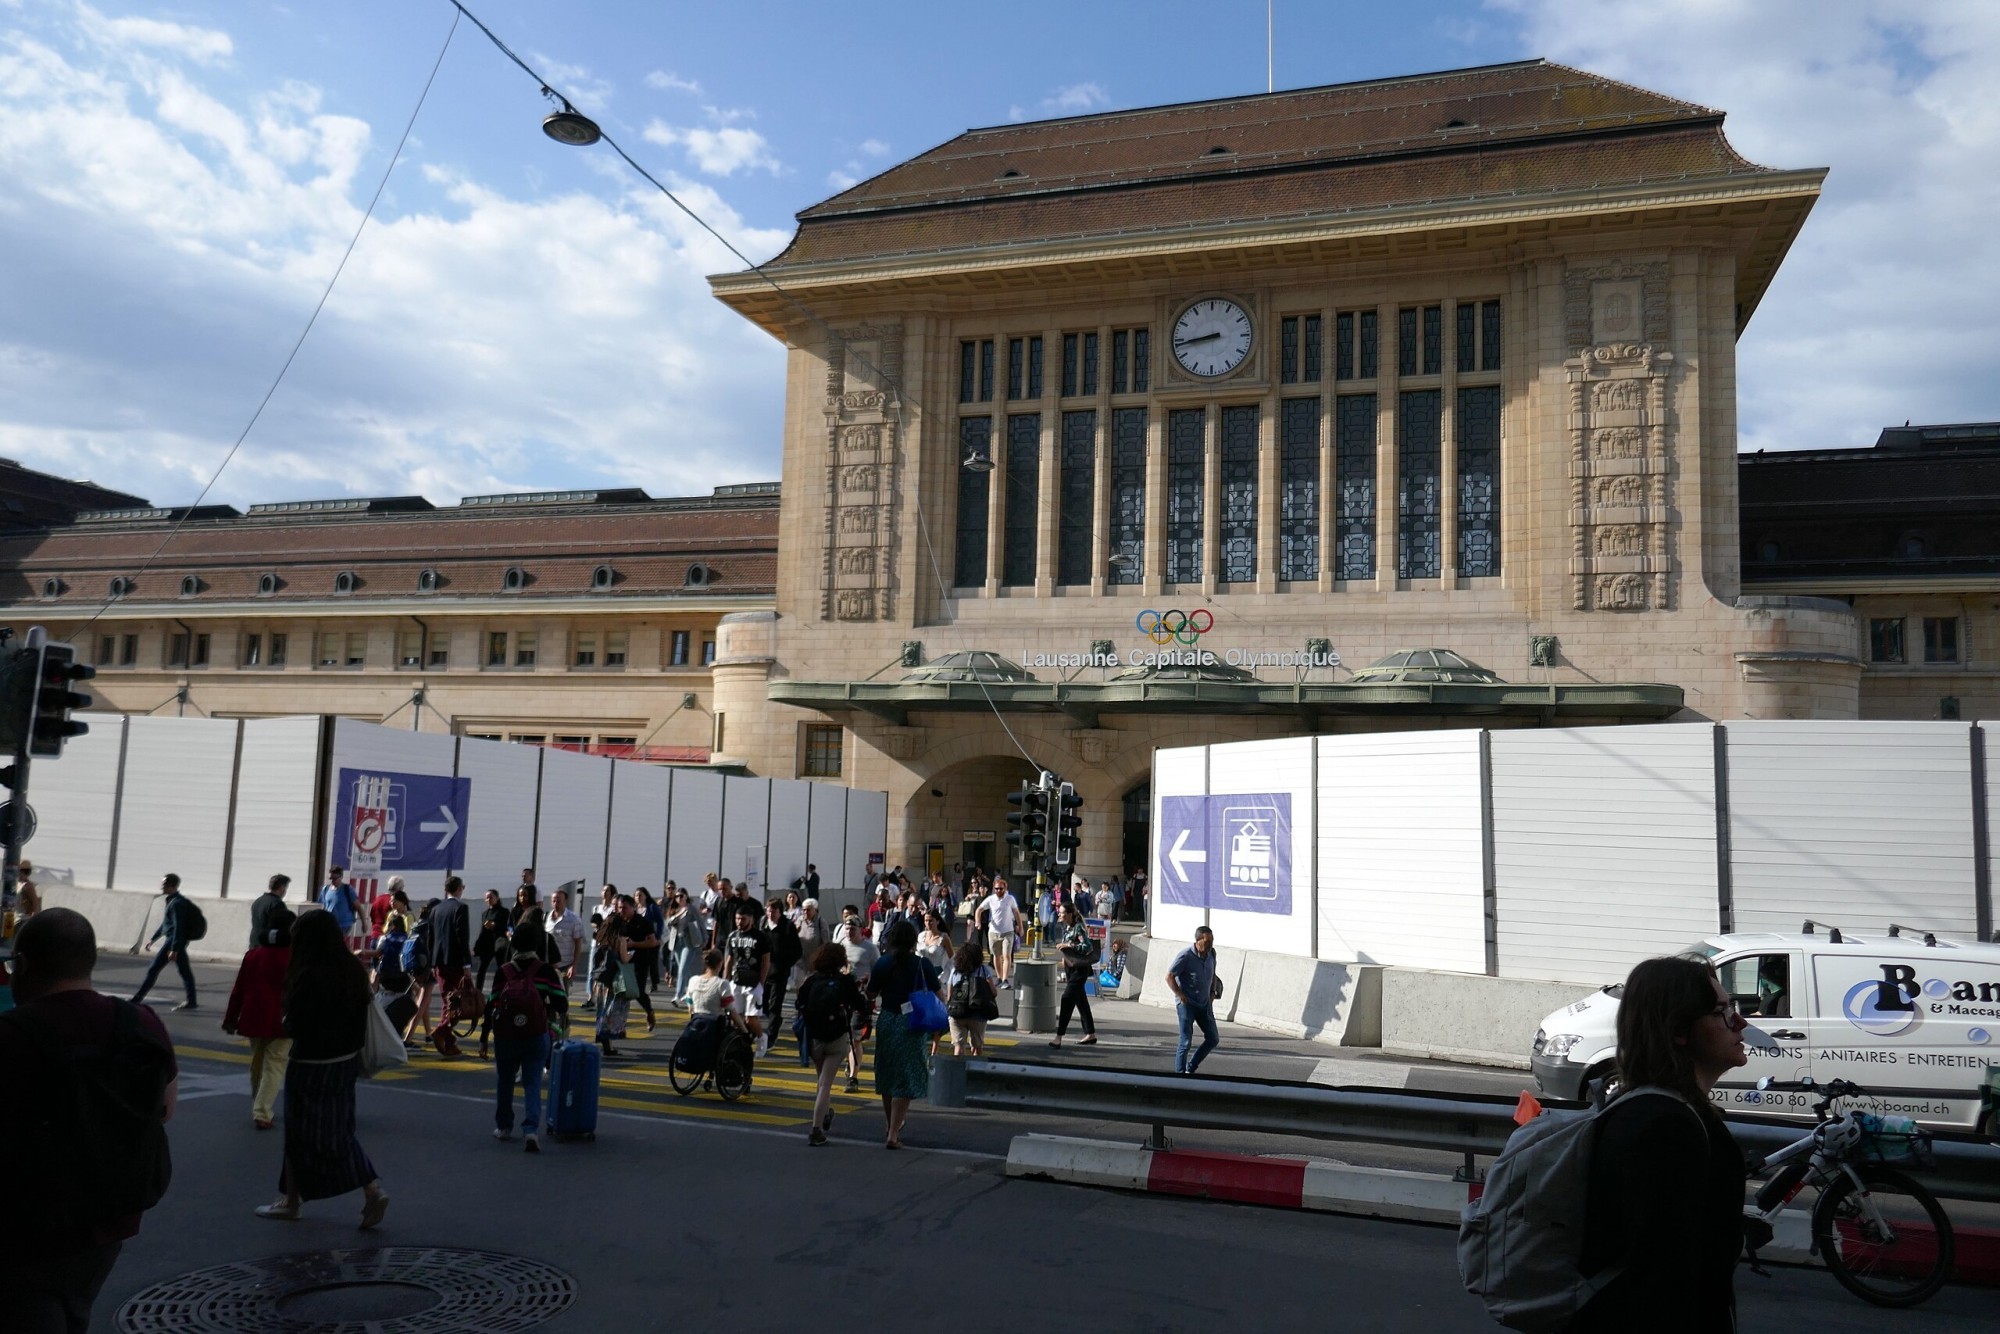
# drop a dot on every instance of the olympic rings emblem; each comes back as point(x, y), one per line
point(1175, 626)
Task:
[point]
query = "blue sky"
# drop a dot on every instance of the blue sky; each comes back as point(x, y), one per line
point(177, 181)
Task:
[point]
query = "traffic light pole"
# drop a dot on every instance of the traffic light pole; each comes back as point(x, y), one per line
point(16, 776)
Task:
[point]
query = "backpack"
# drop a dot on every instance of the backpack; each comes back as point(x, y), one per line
point(826, 1016)
point(193, 924)
point(518, 1008)
point(417, 949)
point(95, 1148)
point(972, 998)
point(1520, 1242)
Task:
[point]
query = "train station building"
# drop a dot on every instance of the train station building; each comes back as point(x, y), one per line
point(1407, 404)
point(1150, 428)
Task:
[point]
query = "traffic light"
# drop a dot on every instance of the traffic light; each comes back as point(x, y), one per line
point(1031, 823)
point(1069, 825)
point(18, 671)
point(49, 722)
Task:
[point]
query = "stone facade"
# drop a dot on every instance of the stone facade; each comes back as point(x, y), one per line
point(1616, 478)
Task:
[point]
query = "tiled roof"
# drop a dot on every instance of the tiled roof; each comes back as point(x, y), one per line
point(649, 546)
point(1504, 131)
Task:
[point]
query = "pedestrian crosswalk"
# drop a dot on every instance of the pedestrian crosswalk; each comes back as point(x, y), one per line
point(781, 1091)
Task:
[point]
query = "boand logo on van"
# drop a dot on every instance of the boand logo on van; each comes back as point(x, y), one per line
point(1897, 1002)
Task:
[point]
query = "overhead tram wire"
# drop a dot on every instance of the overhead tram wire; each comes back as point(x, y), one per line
point(889, 384)
point(300, 342)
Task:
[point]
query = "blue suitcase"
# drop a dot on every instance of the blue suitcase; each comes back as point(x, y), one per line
point(574, 1068)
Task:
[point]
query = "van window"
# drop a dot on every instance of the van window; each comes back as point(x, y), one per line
point(1760, 984)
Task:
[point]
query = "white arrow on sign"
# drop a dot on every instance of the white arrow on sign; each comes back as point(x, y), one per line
point(448, 827)
point(1180, 854)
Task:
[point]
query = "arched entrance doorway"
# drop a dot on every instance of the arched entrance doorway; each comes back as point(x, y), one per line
point(960, 815)
point(1138, 827)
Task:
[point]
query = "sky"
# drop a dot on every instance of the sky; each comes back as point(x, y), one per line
point(178, 183)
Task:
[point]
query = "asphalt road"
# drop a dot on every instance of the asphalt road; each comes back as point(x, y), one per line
point(690, 1210)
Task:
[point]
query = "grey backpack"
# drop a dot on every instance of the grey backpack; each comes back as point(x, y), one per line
point(1520, 1244)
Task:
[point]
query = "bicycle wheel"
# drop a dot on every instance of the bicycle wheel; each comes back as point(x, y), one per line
point(1890, 1245)
point(684, 1081)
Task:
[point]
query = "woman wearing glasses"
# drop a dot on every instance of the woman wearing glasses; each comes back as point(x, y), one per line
point(1664, 1206)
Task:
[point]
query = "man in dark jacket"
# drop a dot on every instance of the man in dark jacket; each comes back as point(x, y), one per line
point(451, 936)
point(173, 933)
point(52, 1268)
point(785, 954)
point(270, 905)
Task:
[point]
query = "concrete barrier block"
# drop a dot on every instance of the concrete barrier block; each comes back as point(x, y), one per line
point(1338, 1003)
point(122, 918)
point(1467, 1016)
point(1086, 1162)
point(1153, 989)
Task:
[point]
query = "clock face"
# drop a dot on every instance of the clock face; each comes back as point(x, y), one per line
point(1212, 337)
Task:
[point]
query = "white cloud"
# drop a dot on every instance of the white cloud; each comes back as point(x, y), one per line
point(873, 148)
point(203, 45)
point(720, 149)
point(183, 229)
point(576, 82)
point(842, 180)
point(1076, 99)
point(1882, 310)
point(668, 81)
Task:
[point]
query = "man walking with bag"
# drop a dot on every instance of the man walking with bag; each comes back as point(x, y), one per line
point(177, 931)
point(1195, 986)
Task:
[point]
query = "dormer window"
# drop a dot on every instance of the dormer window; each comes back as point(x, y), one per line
point(190, 585)
point(428, 581)
point(267, 584)
point(52, 588)
point(514, 580)
point(603, 577)
point(121, 586)
point(346, 582)
point(699, 575)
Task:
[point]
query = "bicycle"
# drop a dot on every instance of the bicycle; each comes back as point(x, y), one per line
point(1882, 1235)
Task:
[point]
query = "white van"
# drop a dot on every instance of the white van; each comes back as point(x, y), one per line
point(1915, 1020)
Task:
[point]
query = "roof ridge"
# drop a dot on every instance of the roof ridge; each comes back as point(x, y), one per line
point(1275, 93)
point(1632, 87)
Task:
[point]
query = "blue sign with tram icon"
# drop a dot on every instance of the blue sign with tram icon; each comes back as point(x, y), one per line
point(1229, 853)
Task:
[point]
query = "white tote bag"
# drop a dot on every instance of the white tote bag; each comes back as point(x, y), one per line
point(381, 1047)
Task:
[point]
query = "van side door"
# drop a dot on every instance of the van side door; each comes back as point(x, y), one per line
point(1766, 987)
point(1888, 1021)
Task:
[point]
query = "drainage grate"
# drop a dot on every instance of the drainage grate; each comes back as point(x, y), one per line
point(392, 1290)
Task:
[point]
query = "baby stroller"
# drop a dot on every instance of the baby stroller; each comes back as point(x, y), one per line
point(711, 1050)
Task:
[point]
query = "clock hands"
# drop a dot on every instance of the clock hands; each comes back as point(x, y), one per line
point(1190, 342)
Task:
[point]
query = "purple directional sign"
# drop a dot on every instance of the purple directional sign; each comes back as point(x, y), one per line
point(1183, 844)
point(1228, 853)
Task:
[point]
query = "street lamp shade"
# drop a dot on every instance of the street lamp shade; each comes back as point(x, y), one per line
point(571, 127)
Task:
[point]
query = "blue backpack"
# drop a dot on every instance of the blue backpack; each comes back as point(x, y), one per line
point(417, 949)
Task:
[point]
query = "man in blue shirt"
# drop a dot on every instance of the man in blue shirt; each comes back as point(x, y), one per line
point(174, 933)
point(1192, 980)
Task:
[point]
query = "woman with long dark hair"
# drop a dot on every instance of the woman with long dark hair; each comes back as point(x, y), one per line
point(1665, 1200)
point(901, 1072)
point(327, 995)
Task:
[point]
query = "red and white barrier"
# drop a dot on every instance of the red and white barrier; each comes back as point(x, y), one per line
point(1343, 1188)
point(1288, 1183)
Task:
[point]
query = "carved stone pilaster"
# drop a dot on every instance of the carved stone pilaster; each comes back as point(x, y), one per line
point(864, 464)
point(1621, 445)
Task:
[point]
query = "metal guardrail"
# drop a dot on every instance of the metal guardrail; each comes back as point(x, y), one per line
point(1468, 1124)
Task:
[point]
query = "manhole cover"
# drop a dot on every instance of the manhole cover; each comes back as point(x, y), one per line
point(393, 1290)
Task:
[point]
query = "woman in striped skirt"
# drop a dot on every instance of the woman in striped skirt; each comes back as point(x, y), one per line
point(326, 1014)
